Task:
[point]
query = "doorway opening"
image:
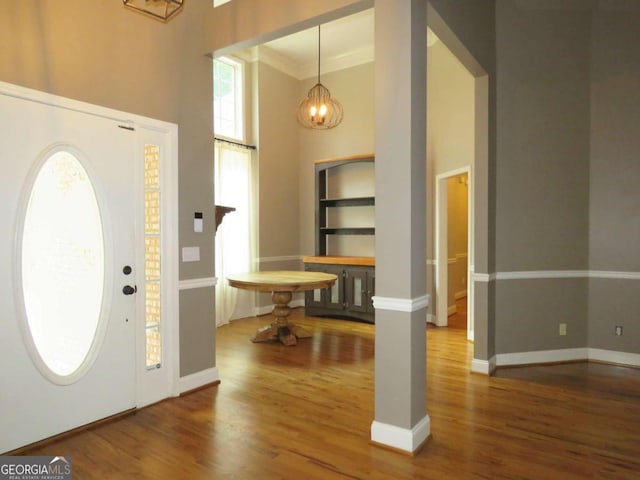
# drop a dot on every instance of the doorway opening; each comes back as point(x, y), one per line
point(454, 258)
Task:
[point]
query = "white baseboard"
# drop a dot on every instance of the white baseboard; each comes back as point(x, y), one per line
point(266, 309)
point(611, 356)
point(567, 355)
point(198, 379)
point(485, 367)
point(431, 318)
point(460, 294)
point(542, 356)
point(404, 439)
point(451, 310)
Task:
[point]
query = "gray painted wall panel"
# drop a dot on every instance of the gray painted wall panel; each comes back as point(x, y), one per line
point(278, 158)
point(542, 170)
point(197, 330)
point(400, 386)
point(614, 302)
point(615, 142)
point(528, 314)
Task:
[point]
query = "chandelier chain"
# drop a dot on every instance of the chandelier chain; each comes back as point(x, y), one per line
point(318, 53)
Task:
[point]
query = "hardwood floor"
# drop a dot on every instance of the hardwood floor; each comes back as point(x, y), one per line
point(305, 412)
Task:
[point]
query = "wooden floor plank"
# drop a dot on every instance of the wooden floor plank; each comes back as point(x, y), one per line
point(305, 412)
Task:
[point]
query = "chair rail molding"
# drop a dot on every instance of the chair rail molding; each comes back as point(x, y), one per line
point(401, 304)
point(551, 274)
point(192, 283)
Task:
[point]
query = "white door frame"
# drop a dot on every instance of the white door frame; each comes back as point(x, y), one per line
point(441, 249)
point(169, 246)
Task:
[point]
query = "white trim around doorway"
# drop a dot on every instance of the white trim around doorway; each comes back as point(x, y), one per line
point(441, 253)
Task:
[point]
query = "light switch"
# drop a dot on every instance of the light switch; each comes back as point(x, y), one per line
point(190, 254)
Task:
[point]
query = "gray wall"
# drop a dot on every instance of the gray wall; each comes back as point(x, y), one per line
point(615, 142)
point(528, 312)
point(614, 221)
point(542, 169)
point(542, 173)
point(278, 160)
point(567, 175)
point(102, 53)
point(278, 171)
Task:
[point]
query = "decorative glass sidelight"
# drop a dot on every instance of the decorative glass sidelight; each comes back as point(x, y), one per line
point(63, 264)
point(152, 262)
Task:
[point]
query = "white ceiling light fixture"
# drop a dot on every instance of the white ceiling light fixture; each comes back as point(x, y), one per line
point(319, 110)
point(162, 10)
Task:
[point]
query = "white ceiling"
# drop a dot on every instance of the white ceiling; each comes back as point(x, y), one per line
point(345, 43)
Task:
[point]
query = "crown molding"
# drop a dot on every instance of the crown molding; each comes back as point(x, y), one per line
point(298, 71)
point(335, 63)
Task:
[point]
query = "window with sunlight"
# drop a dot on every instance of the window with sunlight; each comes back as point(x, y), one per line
point(227, 98)
point(235, 186)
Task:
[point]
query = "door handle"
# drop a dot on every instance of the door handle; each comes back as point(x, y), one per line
point(129, 290)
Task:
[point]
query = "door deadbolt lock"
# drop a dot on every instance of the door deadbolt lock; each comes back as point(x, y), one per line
point(129, 290)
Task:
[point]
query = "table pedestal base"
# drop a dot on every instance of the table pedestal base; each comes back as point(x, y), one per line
point(281, 329)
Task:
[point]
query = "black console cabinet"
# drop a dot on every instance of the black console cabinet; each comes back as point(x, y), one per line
point(350, 297)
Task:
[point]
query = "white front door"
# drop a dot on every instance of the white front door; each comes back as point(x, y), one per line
point(67, 272)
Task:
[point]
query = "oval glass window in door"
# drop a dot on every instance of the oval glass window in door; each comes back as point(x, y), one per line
point(63, 264)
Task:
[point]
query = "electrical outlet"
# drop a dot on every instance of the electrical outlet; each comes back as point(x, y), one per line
point(618, 330)
point(563, 329)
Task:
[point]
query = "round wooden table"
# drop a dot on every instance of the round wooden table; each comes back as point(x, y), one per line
point(281, 284)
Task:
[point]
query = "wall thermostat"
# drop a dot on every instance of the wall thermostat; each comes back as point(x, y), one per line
point(197, 222)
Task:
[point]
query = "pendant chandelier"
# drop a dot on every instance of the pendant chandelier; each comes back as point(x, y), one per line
point(318, 109)
point(158, 9)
